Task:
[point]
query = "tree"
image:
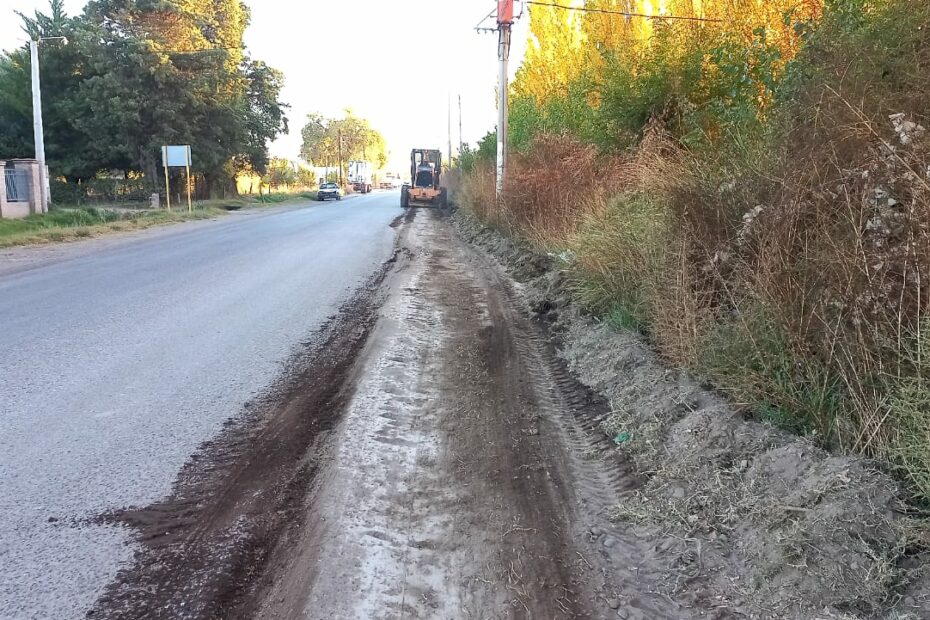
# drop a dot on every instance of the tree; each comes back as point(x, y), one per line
point(139, 74)
point(280, 173)
point(317, 148)
point(324, 139)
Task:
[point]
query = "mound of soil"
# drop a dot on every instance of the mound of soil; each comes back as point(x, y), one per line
point(760, 523)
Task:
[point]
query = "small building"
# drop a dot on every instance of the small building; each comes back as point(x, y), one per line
point(21, 192)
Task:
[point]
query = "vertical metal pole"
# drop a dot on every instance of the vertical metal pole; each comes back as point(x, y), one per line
point(449, 123)
point(503, 54)
point(340, 158)
point(164, 161)
point(38, 131)
point(190, 205)
point(461, 140)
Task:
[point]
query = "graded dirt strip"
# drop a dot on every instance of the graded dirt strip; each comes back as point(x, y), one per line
point(203, 546)
point(467, 479)
point(428, 457)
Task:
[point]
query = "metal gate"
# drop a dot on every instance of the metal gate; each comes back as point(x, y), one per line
point(17, 185)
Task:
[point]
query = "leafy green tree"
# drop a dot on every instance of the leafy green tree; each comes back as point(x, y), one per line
point(332, 142)
point(280, 173)
point(139, 74)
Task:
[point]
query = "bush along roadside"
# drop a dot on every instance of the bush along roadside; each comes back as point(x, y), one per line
point(766, 223)
point(762, 523)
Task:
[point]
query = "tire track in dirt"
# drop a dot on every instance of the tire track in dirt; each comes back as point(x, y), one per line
point(202, 547)
point(468, 478)
point(609, 569)
point(432, 458)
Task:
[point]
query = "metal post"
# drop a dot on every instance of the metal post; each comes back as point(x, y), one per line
point(38, 131)
point(503, 54)
point(190, 205)
point(449, 123)
point(461, 141)
point(164, 160)
point(340, 158)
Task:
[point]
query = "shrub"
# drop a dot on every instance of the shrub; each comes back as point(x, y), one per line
point(771, 229)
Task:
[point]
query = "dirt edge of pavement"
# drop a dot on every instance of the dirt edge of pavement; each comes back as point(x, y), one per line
point(203, 549)
point(759, 523)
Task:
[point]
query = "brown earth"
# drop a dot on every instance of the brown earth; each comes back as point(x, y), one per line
point(430, 455)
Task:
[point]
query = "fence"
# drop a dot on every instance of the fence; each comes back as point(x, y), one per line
point(17, 185)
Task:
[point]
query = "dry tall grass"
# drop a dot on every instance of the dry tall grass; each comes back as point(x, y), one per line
point(791, 269)
point(796, 280)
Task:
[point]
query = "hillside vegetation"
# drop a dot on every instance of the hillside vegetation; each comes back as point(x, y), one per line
point(753, 194)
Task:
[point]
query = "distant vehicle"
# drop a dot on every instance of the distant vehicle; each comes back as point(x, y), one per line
point(390, 181)
point(360, 176)
point(329, 190)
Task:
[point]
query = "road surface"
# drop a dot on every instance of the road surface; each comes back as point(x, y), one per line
point(120, 356)
point(342, 411)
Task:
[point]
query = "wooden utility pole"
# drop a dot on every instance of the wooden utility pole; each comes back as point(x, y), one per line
point(340, 158)
point(461, 140)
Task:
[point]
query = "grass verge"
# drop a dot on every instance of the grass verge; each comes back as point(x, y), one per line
point(69, 224)
point(72, 224)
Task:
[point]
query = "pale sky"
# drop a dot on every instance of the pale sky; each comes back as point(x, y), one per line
point(394, 62)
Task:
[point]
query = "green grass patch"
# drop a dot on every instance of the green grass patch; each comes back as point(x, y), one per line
point(751, 358)
point(70, 224)
point(627, 315)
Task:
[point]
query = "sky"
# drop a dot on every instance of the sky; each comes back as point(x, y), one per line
point(395, 62)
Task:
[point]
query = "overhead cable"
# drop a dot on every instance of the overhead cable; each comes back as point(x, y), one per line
point(588, 9)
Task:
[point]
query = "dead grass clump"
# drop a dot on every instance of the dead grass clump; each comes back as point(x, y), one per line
point(553, 185)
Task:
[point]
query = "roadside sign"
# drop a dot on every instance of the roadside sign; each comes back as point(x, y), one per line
point(177, 157)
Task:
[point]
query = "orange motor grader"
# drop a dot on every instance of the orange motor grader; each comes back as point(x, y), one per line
point(425, 175)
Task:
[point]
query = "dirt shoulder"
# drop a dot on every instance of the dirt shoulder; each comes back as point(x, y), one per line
point(434, 454)
point(466, 479)
point(752, 522)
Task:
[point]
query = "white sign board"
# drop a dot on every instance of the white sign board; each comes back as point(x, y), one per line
point(176, 156)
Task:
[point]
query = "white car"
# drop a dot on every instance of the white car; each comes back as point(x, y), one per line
point(329, 190)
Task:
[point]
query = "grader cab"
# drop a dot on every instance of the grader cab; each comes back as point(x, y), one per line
point(424, 188)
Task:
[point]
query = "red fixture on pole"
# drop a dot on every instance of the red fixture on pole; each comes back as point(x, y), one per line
point(504, 11)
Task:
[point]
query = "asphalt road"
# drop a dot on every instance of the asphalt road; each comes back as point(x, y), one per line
point(118, 357)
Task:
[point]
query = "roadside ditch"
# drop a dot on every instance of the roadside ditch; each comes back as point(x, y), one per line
point(753, 522)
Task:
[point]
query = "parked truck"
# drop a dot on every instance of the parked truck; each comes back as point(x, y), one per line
point(360, 176)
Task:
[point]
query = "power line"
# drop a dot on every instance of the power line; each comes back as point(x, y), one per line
point(587, 9)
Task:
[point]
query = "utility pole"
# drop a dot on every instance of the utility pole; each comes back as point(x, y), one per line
point(505, 20)
point(461, 141)
point(503, 55)
point(449, 119)
point(504, 29)
point(340, 158)
point(37, 128)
